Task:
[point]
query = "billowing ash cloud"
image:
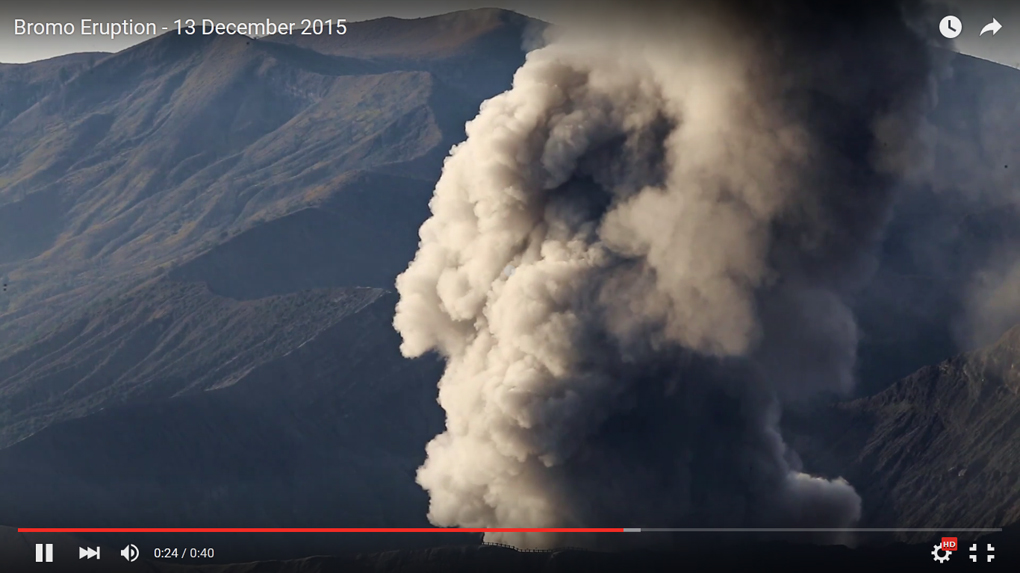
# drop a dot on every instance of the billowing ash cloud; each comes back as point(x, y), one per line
point(686, 196)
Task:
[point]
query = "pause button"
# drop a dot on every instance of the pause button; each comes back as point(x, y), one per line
point(44, 553)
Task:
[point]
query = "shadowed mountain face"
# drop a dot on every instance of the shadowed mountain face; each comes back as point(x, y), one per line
point(22, 85)
point(937, 449)
point(284, 446)
point(156, 342)
point(148, 157)
point(197, 238)
point(187, 231)
point(362, 235)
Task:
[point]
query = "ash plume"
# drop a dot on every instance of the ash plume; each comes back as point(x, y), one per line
point(686, 195)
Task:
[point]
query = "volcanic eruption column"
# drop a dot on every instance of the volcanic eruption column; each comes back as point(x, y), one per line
point(686, 197)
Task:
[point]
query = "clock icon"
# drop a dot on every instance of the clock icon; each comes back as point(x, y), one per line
point(950, 26)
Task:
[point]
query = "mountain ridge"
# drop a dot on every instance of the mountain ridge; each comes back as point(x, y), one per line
point(156, 154)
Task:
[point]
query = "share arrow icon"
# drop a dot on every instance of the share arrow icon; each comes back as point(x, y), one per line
point(994, 27)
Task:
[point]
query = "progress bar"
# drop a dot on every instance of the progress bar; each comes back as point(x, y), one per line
point(504, 529)
point(318, 530)
point(811, 529)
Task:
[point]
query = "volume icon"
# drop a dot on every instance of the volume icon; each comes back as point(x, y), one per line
point(88, 553)
point(130, 553)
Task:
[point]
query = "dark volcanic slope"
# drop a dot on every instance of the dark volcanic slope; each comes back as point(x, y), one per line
point(22, 85)
point(327, 435)
point(937, 449)
point(186, 228)
point(362, 234)
point(154, 343)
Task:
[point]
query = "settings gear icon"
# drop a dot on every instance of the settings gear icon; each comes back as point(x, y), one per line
point(940, 558)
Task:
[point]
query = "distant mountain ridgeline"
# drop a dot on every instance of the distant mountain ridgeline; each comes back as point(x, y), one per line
point(115, 167)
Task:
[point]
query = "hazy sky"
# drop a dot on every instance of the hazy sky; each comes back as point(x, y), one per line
point(1004, 47)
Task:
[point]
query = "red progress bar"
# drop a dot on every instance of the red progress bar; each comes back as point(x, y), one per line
point(317, 530)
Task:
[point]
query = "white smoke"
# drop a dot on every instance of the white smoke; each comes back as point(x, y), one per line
point(683, 199)
point(992, 300)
